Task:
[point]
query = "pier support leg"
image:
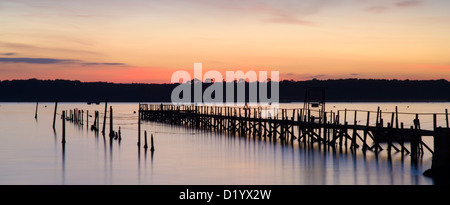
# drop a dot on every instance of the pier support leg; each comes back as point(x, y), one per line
point(440, 167)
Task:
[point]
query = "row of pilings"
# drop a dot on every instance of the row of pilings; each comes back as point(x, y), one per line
point(331, 130)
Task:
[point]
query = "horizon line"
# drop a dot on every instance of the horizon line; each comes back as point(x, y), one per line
point(285, 80)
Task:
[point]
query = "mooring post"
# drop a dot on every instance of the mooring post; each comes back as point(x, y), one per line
point(337, 117)
point(346, 134)
point(145, 140)
point(152, 145)
point(35, 113)
point(120, 135)
point(54, 114)
point(378, 115)
point(446, 117)
point(325, 128)
point(111, 130)
point(392, 119)
point(87, 119)
point(63, 127)
point(345, 115)
point(389, 136)
point(366, 131)
point(104, 118)
point(414, 146)
point(402, 136)
point(434, 122)
point(309, 115)
point(97, 121)
point(282, 125)
point(396, 117)
point(354, 130)
point(419, 138)
point(139, 127)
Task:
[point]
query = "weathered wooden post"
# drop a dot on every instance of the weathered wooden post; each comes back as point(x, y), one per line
point(415, 141)
point(345, 115)
point(63, 127)
point(355, 124)
point(35, 113)
point(402, 138)
point(378, 115)
point(111, 130)
point(152, 145)
point(389, 138)
point(145, 138)
point(120, 135)
point(104, 118)
point(139, 126)
point(54, 114)
point(396, 117)
point(419, 137)
point(446, 117)
point(345, 134)
point(87, 119)
point(366, 131)
point(434, 121)
point(98, 122)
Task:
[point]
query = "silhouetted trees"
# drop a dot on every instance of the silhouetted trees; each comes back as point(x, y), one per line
point(341, 90)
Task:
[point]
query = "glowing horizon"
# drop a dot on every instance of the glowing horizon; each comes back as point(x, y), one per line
point(146, 41)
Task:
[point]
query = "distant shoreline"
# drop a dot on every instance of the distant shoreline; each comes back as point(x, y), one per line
point(342, 90)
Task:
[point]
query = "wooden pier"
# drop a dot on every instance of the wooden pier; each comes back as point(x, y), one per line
point(332, 130)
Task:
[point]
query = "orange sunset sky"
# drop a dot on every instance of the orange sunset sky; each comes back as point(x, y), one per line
point(145, 41)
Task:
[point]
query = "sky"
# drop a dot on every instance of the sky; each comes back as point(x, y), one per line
point(146, 41)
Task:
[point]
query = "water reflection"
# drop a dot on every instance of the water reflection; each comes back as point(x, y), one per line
point(63, 148)
point(186, 156)
point(139, 165)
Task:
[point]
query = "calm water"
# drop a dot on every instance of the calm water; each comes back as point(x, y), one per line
point(32, 153)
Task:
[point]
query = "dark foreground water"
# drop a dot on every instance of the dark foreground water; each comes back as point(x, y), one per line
point(32, 153)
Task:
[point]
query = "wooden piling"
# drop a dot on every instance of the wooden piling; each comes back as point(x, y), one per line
point(402, 138)
point(355, 123)
point(389, 138)
point(145, 140)
point(378, 114)
point(104, 118)
point(152, 149)
point(414, 144)
point(35, 113)
point(63, 127)
point(396, 117)
point(111, 130)
point(434, 121)
point(120, 135)
point(345, 115)
point(446, 118)
point(87, 119)
point(139, 127)
point(366, 131)
point(54, 114)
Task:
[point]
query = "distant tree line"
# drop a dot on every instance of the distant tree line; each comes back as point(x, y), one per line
point(341, 90)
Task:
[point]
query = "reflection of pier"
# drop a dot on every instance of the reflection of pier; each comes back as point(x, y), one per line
point(330, 129)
